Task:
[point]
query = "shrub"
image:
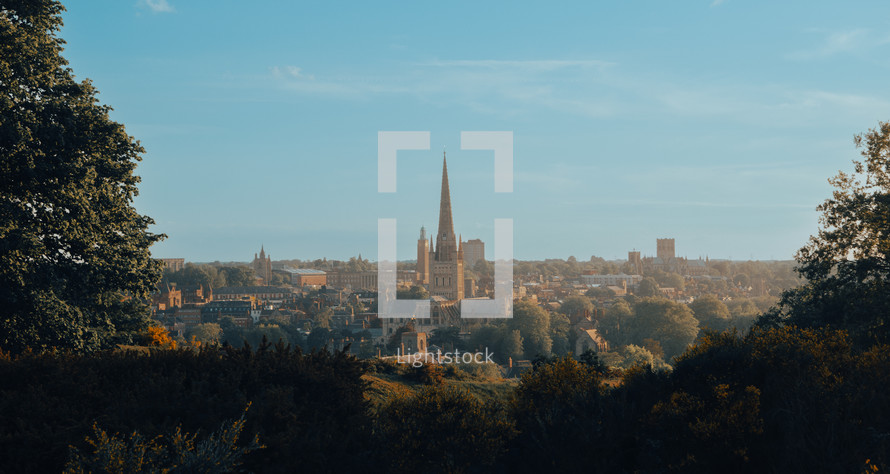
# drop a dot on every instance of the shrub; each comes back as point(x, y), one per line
point(174, 453)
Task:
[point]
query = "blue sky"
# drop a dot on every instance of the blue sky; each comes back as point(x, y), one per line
point(713, 122)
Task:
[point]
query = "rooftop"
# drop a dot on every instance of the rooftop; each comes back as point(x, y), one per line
point(303, 271)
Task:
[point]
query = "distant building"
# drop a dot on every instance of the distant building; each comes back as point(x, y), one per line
point(634, 259)
point(239, 310)
point(413, 342)
point(619, 279)
point(667, 261)
point(300, 277)
point(169, 297)
point(665, 249)
point(353, 280)
point(474, 250)
point(262, 266)
point(423, 259)
point(447, 258)
point(259, 293)
point(589, 339)
point(173, 264)
point(196, 295)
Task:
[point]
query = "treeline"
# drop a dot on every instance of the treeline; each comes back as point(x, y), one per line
point(780, 400)
point(210, 276)
point(319, 336)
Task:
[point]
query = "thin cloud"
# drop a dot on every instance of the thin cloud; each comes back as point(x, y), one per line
point(856, 41)
point(157, 6)
point(534, 64)
point(290, 72)
point(582, 87)
point(717, 3)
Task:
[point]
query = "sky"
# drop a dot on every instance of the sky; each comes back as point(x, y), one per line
point(714, 122)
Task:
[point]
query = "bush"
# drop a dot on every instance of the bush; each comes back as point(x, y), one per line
point(174, 453)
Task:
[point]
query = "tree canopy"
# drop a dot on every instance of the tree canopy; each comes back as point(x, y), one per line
point(847, 263)
point(647, 288)
point(711, 312)
point(671, 324)
point(74, 253)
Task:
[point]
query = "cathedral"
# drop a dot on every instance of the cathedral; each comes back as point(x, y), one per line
point(262, 266)
point(441, 267)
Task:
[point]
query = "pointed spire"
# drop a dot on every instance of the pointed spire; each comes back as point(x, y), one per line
point(446, 226)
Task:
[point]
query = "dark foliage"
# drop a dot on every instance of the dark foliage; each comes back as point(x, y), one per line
point(441, 429)
point(308, 409)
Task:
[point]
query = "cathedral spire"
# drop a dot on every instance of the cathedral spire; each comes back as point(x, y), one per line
point(446, 226)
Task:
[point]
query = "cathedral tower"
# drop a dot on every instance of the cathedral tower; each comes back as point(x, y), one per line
point(446, 264)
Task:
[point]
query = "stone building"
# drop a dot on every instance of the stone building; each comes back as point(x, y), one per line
point(446, 260)
point(474, 250)
point(262, 266)
point(423, 259)
point(173, 264)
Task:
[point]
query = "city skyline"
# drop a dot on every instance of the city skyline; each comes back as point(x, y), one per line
point(716, 123)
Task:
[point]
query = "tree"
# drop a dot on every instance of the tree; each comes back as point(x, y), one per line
point(636, 356)
point(239, 276)
point(847, 263)
point(484, 268)
point(534, 327)
point(272, 332)
point(74, 253)
point(559, 411)
point(158, 336)
point(613, 325)
point(231, 332)
point(414, 293)
point(318, 338)
point(742, 308)
point(669, 280)
point(647, 288)
point(447, 337)
point(279, 280)
point(711, 312)
point(500, 340)
point(600, 292)
point(560, 327)
point(323, 318)
point(511, 344)
point(671, 324)
point(576, 307)
point(207, 333)
point(470, 433)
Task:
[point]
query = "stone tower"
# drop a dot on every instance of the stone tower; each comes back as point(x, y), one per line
point(446, 263)
point(665, 249)
point(262, 266)
point(423, 259)
point(633, 257)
